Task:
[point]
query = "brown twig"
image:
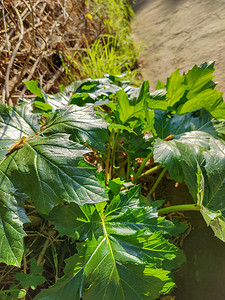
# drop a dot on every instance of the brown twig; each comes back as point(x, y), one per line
point(29, 54)
point(5, 96)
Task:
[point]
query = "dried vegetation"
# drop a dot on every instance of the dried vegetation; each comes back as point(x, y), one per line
point(32, 36)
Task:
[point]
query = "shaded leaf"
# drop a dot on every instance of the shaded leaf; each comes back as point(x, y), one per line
point(34, 278)
point(192, 135)
point(12, 217)
point(199, 120)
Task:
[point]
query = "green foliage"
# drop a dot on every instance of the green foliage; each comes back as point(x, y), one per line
point(189, 92)
point(115, 15)
point(32, 279)
point(13, 293)
point(111, 53)
point(133, 257)
point(102, 57)
point(32, 86)
point(122, 248)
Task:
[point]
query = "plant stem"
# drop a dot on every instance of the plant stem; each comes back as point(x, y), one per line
point(151, 171)
point(128, 166)
point(107, 162)
point(157, 182)
point(142, 166)
point(174, 208)
point(113, 156)
point(41, 255)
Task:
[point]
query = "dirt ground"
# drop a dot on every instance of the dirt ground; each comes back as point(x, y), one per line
point(179, 34)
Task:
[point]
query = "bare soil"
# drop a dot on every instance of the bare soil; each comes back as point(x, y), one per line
point(179, 34)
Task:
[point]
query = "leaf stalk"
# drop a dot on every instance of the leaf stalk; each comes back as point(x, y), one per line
point(174, 208)
point(151, 171)
point(157, 182)
point(142, 166)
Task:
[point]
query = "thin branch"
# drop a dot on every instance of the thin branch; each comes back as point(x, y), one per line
point(13, 58)
point(5, 28)
point(64, 11)
point(28, 57)
point(51, 82)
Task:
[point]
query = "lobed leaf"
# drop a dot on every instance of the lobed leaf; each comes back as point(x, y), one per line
point(189, 92)
point(124, 254)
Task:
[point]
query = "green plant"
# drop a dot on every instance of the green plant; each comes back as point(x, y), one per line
point(119, 244)
point(103, 58)
point(115, 15)
point(113, 53)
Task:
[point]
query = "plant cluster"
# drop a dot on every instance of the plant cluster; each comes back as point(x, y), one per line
point(112, 53)
point(74, 162)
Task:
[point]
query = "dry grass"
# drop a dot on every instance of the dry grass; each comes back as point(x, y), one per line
point(33, 33)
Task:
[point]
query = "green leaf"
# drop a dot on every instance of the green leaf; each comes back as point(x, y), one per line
point(130, 107)
point(18, 294)
point(16, 122)
point(209, 99)
point(160, 85)
point(12, 217)
point(125, 110)
point(192, 135)
point(32, 86)
point(195, 90)
point(33, 279)
point(175, 88)
point(42, 106)
point(158, 100)
point(49, 170)
point(89, 90)
point(75, 221)
point(15, 293)
point(197, 156)
point(200, 120)
point(121, 127)
point(82, 122)
point(211, 185)
point(124, 255)
point(199, 78)
point(98, 88)
point(62, 99)
point(150, 118)
point(115, 185)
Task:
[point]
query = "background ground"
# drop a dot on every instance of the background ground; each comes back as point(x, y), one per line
point(180, 34)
